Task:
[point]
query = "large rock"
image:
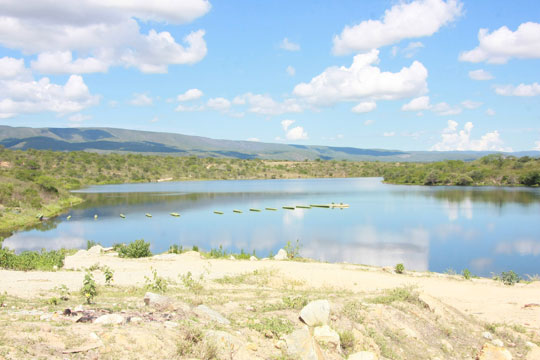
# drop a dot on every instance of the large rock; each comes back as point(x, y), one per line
point(109, 319)
point(363, 355)
point(300, 345)
point(281, 255)
point(316, 313)
point(492, 352)
point(206, 312)
point(325, 335)
point(158, 301)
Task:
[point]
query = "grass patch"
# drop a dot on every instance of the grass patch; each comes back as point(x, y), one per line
point(347, 341)
point(403, 294)
point(137, 249)
point(275, 325)
point(353, 311)
point(33, 260)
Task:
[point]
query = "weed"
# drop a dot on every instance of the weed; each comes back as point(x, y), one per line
point(297, 302)
point(62, 291)
point(94, 267)
point(293, 251)
point(451, 271)
point(175, 249)
point(466, 274)
point(157, 283)
point(404, 294)
point(89, 289)
point(90, 244)
point(242, 256)
point(190, 283)
point(352, 310)
point(137, 249)
point(347, 341)
point(109, 274)
point(193, 344)
point(275, 325)
point(509, 277)
point(195, 248)
point(400, 268)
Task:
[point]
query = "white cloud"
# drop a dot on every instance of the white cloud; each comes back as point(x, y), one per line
point(364, 107)
point(191, 94)
point(389, 134)
point(417, 104)
point(155, 119)
point(522, 247)
point(368, 122)
point(183, 108)
point(503, 44)
point(288, 45)
point(480, 75)
point(363, 81)
point(469, 104)
point(404, 20)
point(490, 112)
point(295, 133)
point(141, 100)
point(30, 96)
point(412, 48)
point(445, 109)
point(101, 34)
point(265, 105)
point(219, 104)
point(537, 145)
point(290, 70)
point(78, 118)
point(11, 68)
point(454, 139)
point(253, 139)
point(520, 90)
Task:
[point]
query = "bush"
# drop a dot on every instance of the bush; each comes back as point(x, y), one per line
point(509, 277)
point(32, 260)
point(89, 289)
point(531, 178)
point(466, 274)
point(400, 268)
point(137, 249)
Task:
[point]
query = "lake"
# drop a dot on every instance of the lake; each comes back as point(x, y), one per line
point(487, 230)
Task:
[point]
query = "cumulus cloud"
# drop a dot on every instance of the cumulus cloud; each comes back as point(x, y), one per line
point(191, 94)
point(389, 134)
point(417, 104)
point(442, 108)
point(363, 81)
point(290, 70)
point(11, 68)
point(183, 108)
point(92, 35)
point(26, 95)
point(364, 107)
point(480, 75)
point(454, 139)
point(141, 100)
point(490, 112)
point(265, 105)
point(404, 20)
point(504, 44)
point(536, 145)
point(78, 118)
point(288, 45)
point(520, 90)
point(295, 133)
point(445, 109)
point(469, 104)
point(368, 122)
point(254, 139)
point(219, 104)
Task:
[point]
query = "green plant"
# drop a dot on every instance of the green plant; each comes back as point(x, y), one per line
point(109, 274)
point(32, 260)
point(467, 274)
point(89, 288)
point(218, 253)
point(90, 244)
point(157, 283)
point(297, 302)
point(400, 268)
point(3, 298)
point(175, 249)
point(62, 291)
point(137, 249)
point(347, 341)
point(190, 283)
point(405, 294)
point(509, 277)
point(293, 251)
point(353, 310)
point(195, 248)
point(275, 325)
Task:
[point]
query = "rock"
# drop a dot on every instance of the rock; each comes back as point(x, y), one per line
point(107, 249)
point(109, 319)
point(492, 352)
point(363, 355)
point(498, 342)
point(280, 344)
point(232, 258)
point(227, 344)
point(96, 249)
point(487, 335)
point(158, 301)
point(530, 345)
point(171, 324)
point(205, 311)
point(253, 258)
point(135, 319)
point(79, 308)
point(268, 334)
point(281, 255)
point(534, 354)
point(446, 346)
point(300, 345)
point(325, 335)
point(316, 313)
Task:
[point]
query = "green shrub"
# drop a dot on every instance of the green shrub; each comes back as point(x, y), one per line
point(32, 260)
point(467, 274)
point(400, 268)
point(175, 249)
point(137, 249)
point(157, 283)
point(89, 289)
point(509, 277)
point(293, 251)
point(347, 340)
point(109, 274)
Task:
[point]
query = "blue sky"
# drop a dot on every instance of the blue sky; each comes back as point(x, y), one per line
point(410, 75)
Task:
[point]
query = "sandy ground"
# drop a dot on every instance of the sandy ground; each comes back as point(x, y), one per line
point(487, 300)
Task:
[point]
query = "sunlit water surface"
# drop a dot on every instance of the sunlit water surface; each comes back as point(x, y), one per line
point(487, 230)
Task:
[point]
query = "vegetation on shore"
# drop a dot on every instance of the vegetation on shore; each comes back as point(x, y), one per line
point(35, 183)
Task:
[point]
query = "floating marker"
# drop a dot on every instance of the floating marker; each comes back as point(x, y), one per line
point(69, 217)
point(303, 206)
point(320, 205)
point(122, 216)
point(271, 209)
point(175, 214)
point(256, 210)
point(237, 211)
point(148, 215)
point(218, 212)
point(95, 217)
point(289, 207)
point(340, 206)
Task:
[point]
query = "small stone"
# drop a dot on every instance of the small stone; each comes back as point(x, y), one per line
point(93, 336)
point(268, 334)
point(78, 308)
point(232, 258)
point(170, 324)
point(109, 319)
point(250, 308)
point(487, 335)
point(280, 344)
point(281, 255)
point(325, 334)
point(135, 319)
point(205, 311)
point(316, 313)
point(446, 346)
point(492, 352)
point(158, 301)
point(363, 355)
point(253, 258)
point(498, 342)
point(45, 317)
point(530, 345)
point(252, 346)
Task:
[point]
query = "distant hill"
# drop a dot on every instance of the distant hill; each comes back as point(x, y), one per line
point(107, 140)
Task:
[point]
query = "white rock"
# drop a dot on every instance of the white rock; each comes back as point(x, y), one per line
point(96, 249)
point(487, 335)
point(301, 345)
point(171, 324)
point(78, 308)
point(109, 319)
point(498, 342)
point(232, 258)
point(156, 300)
point(530, 345)
point(205, 311)
point(253, 258)
point(363, 355)
point(316, 313)
point(281, 255)
point(325, 334)
point(93, 336)
point(447, 346)
point(135, 319)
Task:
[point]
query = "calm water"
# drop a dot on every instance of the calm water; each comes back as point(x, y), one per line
point(426, 228)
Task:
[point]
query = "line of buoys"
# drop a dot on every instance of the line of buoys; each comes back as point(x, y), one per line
point(218, 212)
point(289, 207)
point(255, 210)
point(303, 207)
point(122, 216)
point(271, 209)
point(237, 211)
point(148, 215)
point(175, 214)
